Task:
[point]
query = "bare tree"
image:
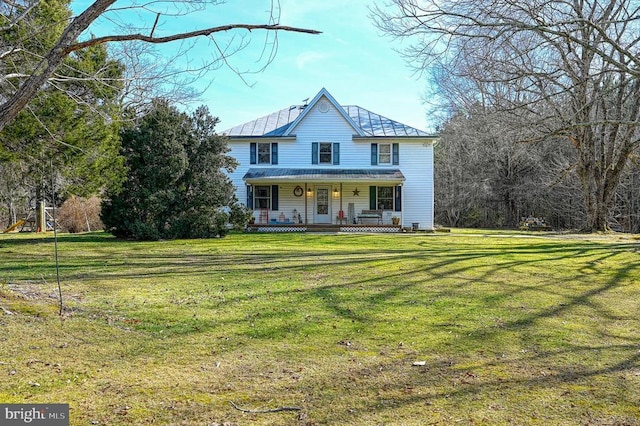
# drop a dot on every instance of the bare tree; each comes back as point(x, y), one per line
point(149, 14)
point(570, 67)
point(500, 181)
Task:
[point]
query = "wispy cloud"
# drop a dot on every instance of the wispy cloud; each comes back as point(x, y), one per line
point(309, 58)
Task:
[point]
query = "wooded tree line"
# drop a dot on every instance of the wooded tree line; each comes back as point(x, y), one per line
point(485, 178)
point(68, 133)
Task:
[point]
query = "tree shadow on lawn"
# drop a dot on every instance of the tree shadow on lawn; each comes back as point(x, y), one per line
point(557, 374)
point(429, 269)
point(434, 263)
point(452, 263)
point(560, 366)
point(31, 239)
point(158, 264)
point(433, 271)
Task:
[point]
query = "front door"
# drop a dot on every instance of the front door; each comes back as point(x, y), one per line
point(323, 205)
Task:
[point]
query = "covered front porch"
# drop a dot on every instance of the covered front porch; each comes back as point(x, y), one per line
point(290, 197)
point(342, 200)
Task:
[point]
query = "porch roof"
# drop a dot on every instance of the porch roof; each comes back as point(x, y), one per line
point(323, 175)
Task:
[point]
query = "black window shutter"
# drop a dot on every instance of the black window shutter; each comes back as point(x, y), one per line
point(372, 198)
point(336, 153)
point(314, 152)
point(250, 196)
point(274, 197)
point(396, 154)
point(274, 153)
point(398, 198)
point(252, 153)
point(374, 154)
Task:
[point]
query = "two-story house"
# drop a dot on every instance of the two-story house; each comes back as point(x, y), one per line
point(323, 163)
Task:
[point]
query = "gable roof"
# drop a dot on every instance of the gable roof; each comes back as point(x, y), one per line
point(364, 122)
point(323, 93)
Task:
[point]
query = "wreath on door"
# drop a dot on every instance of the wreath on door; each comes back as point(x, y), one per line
point(298, 191)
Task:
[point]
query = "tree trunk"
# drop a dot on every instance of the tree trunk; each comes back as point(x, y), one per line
point(597, 215)
point(599, 191)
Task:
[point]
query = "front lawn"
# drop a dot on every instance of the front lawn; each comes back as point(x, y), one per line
point(461, 328)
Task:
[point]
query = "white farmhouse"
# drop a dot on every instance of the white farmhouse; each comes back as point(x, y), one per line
point(323, 165)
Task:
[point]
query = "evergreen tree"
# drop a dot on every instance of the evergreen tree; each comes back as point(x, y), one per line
point(175, 185)
point(71, 126)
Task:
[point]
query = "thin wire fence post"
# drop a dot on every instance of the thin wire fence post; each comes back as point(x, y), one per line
point(55, 235)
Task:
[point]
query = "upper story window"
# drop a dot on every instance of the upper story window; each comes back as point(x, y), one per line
point(385, 153)
point(325, 153)
point(263, 153)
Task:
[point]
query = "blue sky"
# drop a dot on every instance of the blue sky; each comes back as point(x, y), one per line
point(350, 59)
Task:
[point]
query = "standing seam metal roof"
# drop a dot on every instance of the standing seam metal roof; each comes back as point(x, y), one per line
point(277, 123)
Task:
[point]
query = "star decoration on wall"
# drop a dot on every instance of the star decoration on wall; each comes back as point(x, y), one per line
point(356, 192)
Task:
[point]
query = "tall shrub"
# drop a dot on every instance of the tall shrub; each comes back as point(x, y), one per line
point(176, 186)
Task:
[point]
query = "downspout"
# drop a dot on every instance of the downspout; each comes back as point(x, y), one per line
point(402, 197)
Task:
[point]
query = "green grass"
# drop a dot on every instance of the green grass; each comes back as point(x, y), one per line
point(514, 329)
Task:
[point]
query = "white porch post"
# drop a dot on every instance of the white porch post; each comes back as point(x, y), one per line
point(306, 208)
point(341, 212)
point(401, 206)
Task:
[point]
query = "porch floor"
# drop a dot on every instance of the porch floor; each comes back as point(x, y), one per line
point(259, 227)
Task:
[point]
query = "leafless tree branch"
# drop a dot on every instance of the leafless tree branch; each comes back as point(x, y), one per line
point(25, 11)
point(174, 37)
point(68, 42)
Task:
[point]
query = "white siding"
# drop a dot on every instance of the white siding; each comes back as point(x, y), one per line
point(319, 127)
point(416, 163)
point(240, 151)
